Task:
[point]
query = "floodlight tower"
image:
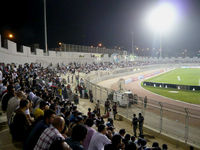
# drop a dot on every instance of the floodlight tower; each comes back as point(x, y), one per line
point(161, 19)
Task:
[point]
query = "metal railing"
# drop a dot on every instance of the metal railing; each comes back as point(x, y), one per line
point(176, 121)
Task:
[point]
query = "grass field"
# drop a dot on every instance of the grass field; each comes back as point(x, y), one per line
point(186, 76)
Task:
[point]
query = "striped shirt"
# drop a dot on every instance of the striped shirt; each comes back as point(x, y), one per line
point(47, 138)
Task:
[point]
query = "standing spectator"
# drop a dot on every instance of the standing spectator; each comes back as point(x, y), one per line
point(98, 107)
point(135, 124)
point(81, 82)
point(99, 139)
point(91, 96)
point(64, 92)
point(51, 134)
point(145, 101)
point(141, 122)
point(114, 110)
point(107, 106)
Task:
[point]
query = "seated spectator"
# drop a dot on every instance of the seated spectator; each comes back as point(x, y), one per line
point(143, 145)
point(131, 146)
point(13, 104)
point(19, 126)
point(90, 132)
point(39, 112)
point(33, 137)
point(126, 139)
point(132, 139)
point(79, 133)
point(155, 145)
point(51, 134)
point(116, 143)
point(6, 97)
point(99, 139)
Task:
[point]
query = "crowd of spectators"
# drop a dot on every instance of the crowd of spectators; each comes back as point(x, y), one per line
point(42, 112)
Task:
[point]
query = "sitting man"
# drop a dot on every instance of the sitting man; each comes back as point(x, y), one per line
point(79, 133)
point(33, 137)
point(51, 134)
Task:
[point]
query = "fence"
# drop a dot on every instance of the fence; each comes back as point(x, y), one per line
point(178, 122)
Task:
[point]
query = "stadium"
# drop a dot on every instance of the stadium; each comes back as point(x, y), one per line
point(84, 97)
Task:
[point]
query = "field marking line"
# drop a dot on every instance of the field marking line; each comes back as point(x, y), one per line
point(179, 78)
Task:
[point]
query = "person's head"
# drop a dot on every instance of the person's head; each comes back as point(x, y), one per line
point(134, 115)
point(62, 110)
point(155, 144)
point(117, 140)
point(89, 109)
point(49, 116)
point(89, 122)
point(43, 105)
point(79, 119)
point(24, 104)
point(10, 88)
point(164, 147)
point(127, 137)
point(122, 132)
point(133, 138)
point(102, 129)
point(140, 114)
point(143, 143)
point(131, 146)
point(59, 123)
point(79, 133)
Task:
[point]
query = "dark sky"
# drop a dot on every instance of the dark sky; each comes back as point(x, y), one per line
point(88, 22)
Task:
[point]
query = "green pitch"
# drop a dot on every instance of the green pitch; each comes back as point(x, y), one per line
point(186, 76)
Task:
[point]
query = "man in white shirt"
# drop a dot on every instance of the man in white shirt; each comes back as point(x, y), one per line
point(99, 139)
point(1, 76)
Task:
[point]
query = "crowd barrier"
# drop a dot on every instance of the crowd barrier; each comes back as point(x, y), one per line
point(182, 124)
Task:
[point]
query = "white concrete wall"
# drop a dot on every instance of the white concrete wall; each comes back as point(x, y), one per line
point(10, 55)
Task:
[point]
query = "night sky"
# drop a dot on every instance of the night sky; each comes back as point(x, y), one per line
point(88, 22)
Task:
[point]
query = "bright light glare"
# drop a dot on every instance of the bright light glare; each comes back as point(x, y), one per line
point(162, 18)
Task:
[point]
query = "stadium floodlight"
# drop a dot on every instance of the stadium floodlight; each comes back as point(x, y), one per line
point(162, 18)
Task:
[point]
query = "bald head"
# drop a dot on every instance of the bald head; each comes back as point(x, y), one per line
point(59, 123)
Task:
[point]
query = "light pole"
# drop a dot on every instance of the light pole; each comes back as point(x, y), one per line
point(132, 35)
point(45, 28)
point(160, 45)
